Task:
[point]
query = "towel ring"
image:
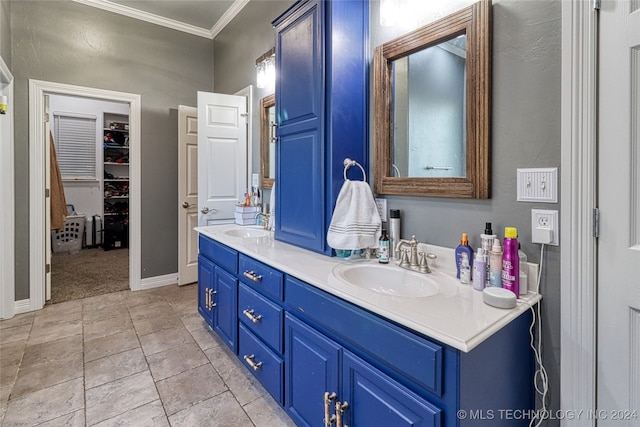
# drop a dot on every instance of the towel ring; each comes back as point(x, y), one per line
point(348, 163)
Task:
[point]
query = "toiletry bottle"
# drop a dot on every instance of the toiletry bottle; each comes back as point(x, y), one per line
point(522, 257)
point(510, 261)
point(394, 232)
point(465, 269)
point(486, 241)
point(480, 270)
point(383, 248)
point(495, 264)
point(463, 247)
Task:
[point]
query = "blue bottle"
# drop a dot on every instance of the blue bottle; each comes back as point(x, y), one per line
point(463, 247)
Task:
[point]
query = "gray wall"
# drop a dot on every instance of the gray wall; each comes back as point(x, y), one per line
point(67, 42)
point(5, 31)
point(525, 133)
point(236, 48)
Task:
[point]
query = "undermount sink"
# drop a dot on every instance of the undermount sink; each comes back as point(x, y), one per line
point(394, 281)
point(248, 232)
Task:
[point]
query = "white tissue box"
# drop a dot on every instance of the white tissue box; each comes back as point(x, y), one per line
point(240, 220)
point(248, 215)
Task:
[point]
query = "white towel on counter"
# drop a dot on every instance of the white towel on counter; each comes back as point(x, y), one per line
point(355, 223)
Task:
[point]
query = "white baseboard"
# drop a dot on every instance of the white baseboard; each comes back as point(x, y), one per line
point(158, 281)
point(23, 306)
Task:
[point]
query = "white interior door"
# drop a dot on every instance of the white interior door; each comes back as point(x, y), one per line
point(47, 199)
point(187, 194)
point(618, 359)
point(222, 156)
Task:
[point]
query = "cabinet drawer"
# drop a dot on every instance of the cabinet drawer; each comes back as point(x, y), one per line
point(261, 316)
point(261, 277)
point(416, 358)
point(219, 253)
point(269, 367)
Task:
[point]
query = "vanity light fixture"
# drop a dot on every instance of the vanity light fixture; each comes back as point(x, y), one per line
point(388, 12)
point(266, 69)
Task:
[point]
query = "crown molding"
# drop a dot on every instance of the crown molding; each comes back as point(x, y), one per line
point(166, 22)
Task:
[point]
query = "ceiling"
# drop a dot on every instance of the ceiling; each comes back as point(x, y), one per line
point(204, 18)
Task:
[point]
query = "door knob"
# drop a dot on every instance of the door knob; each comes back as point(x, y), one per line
point(206, 210)
point(186, 205)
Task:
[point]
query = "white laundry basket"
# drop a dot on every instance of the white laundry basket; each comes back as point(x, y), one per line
point(69, 239)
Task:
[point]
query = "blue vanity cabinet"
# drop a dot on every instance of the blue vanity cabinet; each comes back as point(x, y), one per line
point(316, 365)
point(218, 289)
point(321, 110)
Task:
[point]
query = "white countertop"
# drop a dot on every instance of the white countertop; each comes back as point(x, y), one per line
point(457, 317)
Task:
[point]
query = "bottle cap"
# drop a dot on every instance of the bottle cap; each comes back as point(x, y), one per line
point(496, 246)
point(487, 228)
point(394, 213)
point(510, 232)
point(465, 239)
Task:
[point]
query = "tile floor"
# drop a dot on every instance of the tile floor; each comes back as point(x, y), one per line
point(141, 358)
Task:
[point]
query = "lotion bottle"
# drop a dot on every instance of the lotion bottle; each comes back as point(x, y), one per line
point(383, 248)
point(465, 269)
point(463, 247)
point(480, 270)
point(511, 261)
point(495, 264)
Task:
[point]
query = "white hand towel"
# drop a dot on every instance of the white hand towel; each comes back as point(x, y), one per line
point(355, 223)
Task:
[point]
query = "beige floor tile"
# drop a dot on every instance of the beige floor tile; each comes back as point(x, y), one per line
point(91, 315)
point(46, 318)
point(264, 411)
point(114, 367)
point(55, 331)
point(12, 352)
point(105, 327)
point(15, 333)
point(194, 321)
point(46, 404)
point(111, 344)
point(74, 419)
point(117, 397)
point(18, 320)
point(100, 301)
point(64, 307)
point(153, 309)
point(164, 340)
point(142, 298)
point(43, 375)
point(224, 409)
point(8, 373)
point(149, 415)
point(188, 388)
point(175, 361)
point(206, 338)
point(159, 322)
point(50, 351)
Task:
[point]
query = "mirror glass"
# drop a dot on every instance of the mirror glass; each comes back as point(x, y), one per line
point(267, 140)
point(429, 115)
point(432, 105)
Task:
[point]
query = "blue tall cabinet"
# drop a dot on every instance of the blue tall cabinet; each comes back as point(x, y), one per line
point(321, 112)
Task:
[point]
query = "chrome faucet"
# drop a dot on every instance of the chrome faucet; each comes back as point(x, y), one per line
point(265, 220)
point(410, 258)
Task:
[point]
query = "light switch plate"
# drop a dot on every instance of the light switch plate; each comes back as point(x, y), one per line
point(382, 209)
point(538, 185)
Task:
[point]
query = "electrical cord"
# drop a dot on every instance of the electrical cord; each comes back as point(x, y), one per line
point(540, 378)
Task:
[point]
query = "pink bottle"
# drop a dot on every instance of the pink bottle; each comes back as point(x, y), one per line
point(511, 261)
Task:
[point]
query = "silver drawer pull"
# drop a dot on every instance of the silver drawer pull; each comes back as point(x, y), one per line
point(251, 315)
point(253, 276)
point(255, 365)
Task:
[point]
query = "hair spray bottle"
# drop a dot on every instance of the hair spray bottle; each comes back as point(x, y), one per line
point(511, 261)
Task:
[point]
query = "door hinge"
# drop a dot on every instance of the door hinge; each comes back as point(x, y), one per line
point(46, 117)
point(596, 222)
point(596, 4)
point(46, 192)
point(47, 268)
point(244, 114)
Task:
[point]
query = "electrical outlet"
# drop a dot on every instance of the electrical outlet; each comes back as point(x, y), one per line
point(544, 226)
point(382, 208)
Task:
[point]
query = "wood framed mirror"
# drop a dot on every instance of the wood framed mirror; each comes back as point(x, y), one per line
point(267, 141)
point(431, 134)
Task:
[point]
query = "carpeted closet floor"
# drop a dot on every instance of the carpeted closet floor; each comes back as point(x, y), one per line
point(87, 273)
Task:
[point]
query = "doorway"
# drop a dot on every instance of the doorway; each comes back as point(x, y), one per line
point(89, 251)
point(37, 265)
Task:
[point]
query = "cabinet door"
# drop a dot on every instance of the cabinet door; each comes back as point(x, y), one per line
point(374, 399)
point(300, 151)
point(312, 366)
point(225, 310)
point(206, 272)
